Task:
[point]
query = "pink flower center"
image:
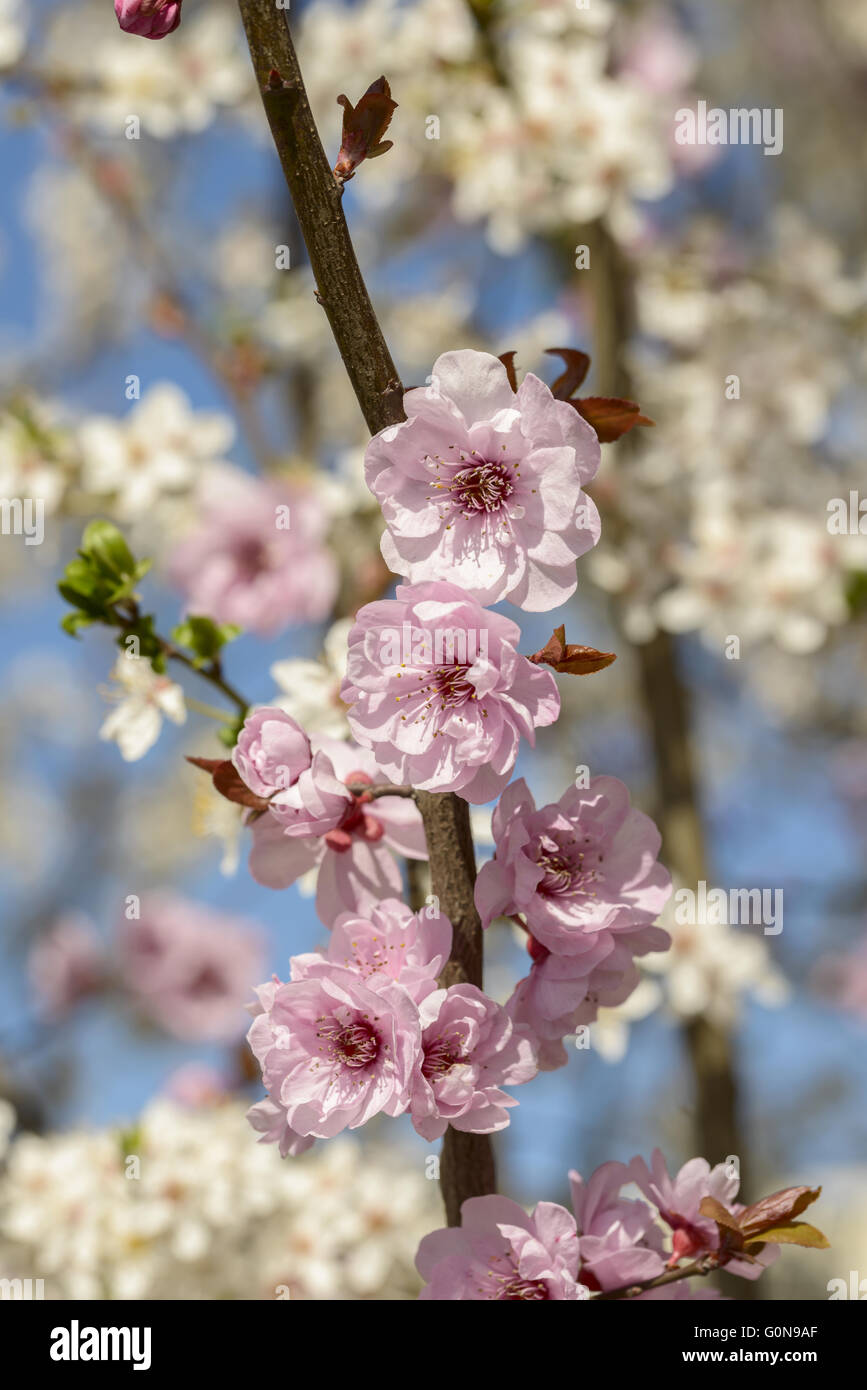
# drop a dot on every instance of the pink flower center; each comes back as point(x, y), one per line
point(207, 984)
point(251, 559)
point(451, 688)
point(565, 870)
point(356, 821)
point(524, 1290)
point(687, 1239)
point(354, 1045)
point(483, 487)
point(442, 1054)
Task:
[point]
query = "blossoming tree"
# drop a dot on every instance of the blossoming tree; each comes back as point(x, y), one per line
point(481, 482)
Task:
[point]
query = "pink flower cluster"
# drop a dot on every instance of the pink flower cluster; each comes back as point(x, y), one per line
point(482, 486)
point(188, 968)
point(583, 873)
point(153, 19)
point(313, 821)
point(439, 692)
point(361, 1028)
point(67, 965)
point(258, 557)
point(499, 1253)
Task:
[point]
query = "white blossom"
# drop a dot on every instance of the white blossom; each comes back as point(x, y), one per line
point(144, 698)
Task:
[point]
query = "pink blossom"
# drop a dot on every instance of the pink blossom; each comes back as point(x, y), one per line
point(500, 1254)
point(66, 965)
point(842, 979)
point(563, 993)
point(319, 824)
point(272, 751)
point(482, 487)
point(153, 19)
point(469, 1049)
point(189, 968)
point(677, 1200)
point(335, 1049)
point(440, 693)
point(268, 1116)
point(269, 1119)
point(392, 941)
point(619, 1242)
point(197, 1085)
point(581, 865)
point(257, 557)
point(658, 54)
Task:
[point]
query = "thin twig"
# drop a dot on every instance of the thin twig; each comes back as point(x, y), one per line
point(706, 1265)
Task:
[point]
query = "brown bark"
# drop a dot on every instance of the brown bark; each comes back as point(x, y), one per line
point(317, 199)
point(467, 1161)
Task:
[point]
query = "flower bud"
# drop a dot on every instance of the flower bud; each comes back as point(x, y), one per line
point(153, 19)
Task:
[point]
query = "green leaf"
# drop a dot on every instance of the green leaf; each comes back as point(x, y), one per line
point(203, 636)
point(856, 592)
point(228, 733)
point(80, 599)
point(105, 545)
point(74, 621)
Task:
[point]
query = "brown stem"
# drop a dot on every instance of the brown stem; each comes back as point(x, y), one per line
point(317, 198)
point(671, 1276)
point(467, 1160)
point(380, 789)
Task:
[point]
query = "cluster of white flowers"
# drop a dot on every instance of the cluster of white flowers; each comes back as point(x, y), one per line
point(141, 697)
point(140, 467)
point(184, 1206)
point(310, 690)
point(158, 448)
point(726, 500)
point(709, 970)
point(174, 89)
point(12, 31)
point(36, 453)
point(711, 967)
point(518, 111)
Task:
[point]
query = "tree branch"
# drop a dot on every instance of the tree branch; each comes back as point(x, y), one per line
point(467, 1166)
point(706, 1265)
point(317, 199)
point(467, 1163)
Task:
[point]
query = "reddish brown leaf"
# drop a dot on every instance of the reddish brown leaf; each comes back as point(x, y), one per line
point(778, 1209)
point(569, 657)
point(710, 1207)
point(610, 416)
point(207, 764)
point(363, 128)
point(228, 783)
point(766, 1222)
point(577, 367)
point(508, 361)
